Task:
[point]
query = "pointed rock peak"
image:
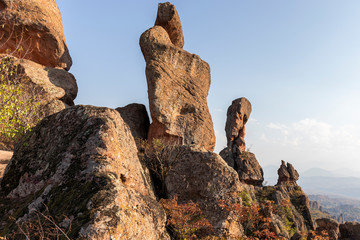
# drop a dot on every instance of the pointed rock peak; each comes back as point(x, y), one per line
point(287, 174)
point(168, 18)
point(237, 115)
point(178, 85)
point(244, 162)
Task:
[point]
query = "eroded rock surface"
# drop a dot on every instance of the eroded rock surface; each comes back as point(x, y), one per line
point(204, 178)
point(287, 174)
point(54, 88)
point(330, 226)
point(244, 162)
point(298, 211)
point(168, 18)
point(237, 115)
point(33, 30)
point(350, 231)
point(82, 163)
point(136, 117)
point(178, 85)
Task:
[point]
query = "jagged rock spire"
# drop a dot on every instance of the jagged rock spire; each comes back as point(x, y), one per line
point(243, 162)
point(287, 174)
point(178, 84)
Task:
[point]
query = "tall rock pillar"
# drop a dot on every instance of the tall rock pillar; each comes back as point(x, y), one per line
point(178, 84)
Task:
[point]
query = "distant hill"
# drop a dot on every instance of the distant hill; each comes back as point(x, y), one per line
point(336, 205)
point(342, 186)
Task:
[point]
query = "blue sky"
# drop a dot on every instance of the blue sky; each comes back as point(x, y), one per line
point(296, 61)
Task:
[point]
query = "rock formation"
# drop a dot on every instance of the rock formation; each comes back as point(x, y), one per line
point(55, 88)
point(33, 30)
point(287, 174)
point(82, 163)
point(204, 178)
point(330, 226)
point(350, 231)
point(168, 18)
point(136, 117)
point(237, 115)
point(32, 39)
point(178, 85)
point(242, 161)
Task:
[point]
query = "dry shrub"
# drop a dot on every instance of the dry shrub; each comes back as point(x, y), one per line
point(42, 226)
point(185, 220)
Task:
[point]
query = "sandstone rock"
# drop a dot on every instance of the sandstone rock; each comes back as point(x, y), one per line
point(55, 84)
point(55, 88)
point(178, 85)
point(5, 157)
point(298, 210)
point(287, 174)
point(35, 27)
point(244, 162)
point(330, 226)
point(168, 18)
point(82, 163)
point(237, 115)
point(204, 178)
point(350, 231)
point(136, 117)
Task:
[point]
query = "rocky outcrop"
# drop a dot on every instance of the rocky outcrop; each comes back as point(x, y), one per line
point(237, 115)
point(168, 18)
point(178, 85)
point(330, 226)
point(244, 162)
point(314, 205)
point(136, 117)
point(350, 231)
point(82, 163)
point(204, 178)
point(287, 174)
point(298, 216)
point(57, 86)
point(54, 88)
point(33, 30)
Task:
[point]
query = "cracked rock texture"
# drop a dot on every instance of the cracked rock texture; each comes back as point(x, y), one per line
point(244, 162)
point(82, 163)
point(35, 28)
point(178, 85)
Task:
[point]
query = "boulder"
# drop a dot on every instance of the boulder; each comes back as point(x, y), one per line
point(350, 231)
point(330, 226)
point(287, 174)
point(244, 162)
point(168, 18)
point(136, 117)
point(55, 88)
point(178, 85)
point(81, 163)
point(204, 178)
point(33, 30)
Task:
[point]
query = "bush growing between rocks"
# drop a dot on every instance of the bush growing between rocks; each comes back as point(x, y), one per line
point(186, 220)
point(159, 158)
point(42, 227)
point(20, 106)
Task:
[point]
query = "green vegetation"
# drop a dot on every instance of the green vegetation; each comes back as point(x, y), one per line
point(246, 200)
point(20, 106)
